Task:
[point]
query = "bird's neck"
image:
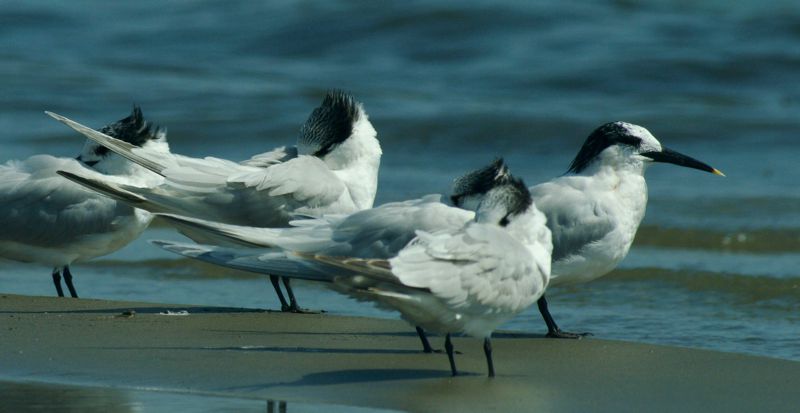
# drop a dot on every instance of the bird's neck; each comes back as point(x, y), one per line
point(356, 162)
point(626, 185)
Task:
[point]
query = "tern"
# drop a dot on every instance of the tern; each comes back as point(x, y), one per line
point(333, 169)
point(49, 220)
point(465, 280)
point(594, 210)
point(379, 232)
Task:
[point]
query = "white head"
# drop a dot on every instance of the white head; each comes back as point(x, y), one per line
point(622, 145)
point(339, 132)
point(132, 129)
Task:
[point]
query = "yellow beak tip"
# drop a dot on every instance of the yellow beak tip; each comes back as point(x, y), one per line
point(717, 172)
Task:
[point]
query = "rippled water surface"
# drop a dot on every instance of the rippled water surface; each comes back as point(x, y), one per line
point(448, 86)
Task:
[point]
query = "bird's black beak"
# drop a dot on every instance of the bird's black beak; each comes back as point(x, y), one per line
point(670, 156)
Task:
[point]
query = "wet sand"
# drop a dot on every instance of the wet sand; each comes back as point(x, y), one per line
point(243, 353)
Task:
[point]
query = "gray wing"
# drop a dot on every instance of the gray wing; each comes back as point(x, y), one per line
point(257, 260)
point(479, 269)
point(38, 207)
point(273, 157)
point(574, 219)
point(383, 231)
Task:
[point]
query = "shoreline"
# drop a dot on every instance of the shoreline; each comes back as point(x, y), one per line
point(322, 358)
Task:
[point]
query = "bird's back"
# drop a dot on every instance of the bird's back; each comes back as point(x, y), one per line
point(46, 218)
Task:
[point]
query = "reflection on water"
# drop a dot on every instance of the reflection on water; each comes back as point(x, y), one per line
point(28, 397)
point(45, 397)
point(276, 406)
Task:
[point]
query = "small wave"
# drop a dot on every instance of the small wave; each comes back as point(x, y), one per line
point(760, 241)
point(748, 287)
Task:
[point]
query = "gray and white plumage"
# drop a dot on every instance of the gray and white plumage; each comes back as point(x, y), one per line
point(333, 169)
point(595, 209)
point(378, 232)
point(466, 279)
point(49, 220)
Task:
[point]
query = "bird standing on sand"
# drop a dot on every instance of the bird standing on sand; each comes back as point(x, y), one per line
point(468, 280)
point(594, 211)
point(49, 220)
point(333, 169)
point(379, 232)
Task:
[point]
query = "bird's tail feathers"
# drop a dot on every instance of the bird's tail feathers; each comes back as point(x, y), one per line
point(124, 193)
point(269, 261)
point(217, 232)
point(109, 189)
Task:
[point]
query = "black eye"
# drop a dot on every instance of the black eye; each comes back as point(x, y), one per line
point(630, 140)
point(504, 221)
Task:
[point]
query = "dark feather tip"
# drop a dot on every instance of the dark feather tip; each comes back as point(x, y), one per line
point(480, 181)
point(331, 123)
point(133, 129)
point(521, 198)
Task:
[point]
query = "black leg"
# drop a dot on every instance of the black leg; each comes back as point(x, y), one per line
point(448, 347)
point(552, 328)
point(426, 345)
point(293, 307)
point(68, 281)
point(487, 350)
point(275, 280)
point(57, 282)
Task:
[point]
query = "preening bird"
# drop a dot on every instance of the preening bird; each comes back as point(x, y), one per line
point(333, 169)
point(49, 220)
point(468, 279)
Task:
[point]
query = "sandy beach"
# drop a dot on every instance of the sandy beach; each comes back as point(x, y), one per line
point(367, 362)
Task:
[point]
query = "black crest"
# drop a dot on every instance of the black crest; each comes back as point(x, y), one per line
point(480, 181)
point(606, 135)
point(519, 199)
point(330, 124)
point(132, 129)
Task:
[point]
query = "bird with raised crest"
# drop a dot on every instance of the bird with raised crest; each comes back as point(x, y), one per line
point(468, 278)
point(49, 220)
point(333, 169)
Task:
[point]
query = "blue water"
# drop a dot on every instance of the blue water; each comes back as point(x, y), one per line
point(448, 86)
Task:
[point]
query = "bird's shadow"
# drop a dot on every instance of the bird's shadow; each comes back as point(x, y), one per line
point(355, 376)
point(276, 349)
point(149, 310)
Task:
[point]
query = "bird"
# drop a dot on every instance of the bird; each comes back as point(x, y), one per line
point(49, 220)
point(332, 169)
point(379, 232)
point(594, 210)
point(467, 280)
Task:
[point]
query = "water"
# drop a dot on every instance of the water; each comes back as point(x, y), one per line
point(448, 86)
point(31, 397)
